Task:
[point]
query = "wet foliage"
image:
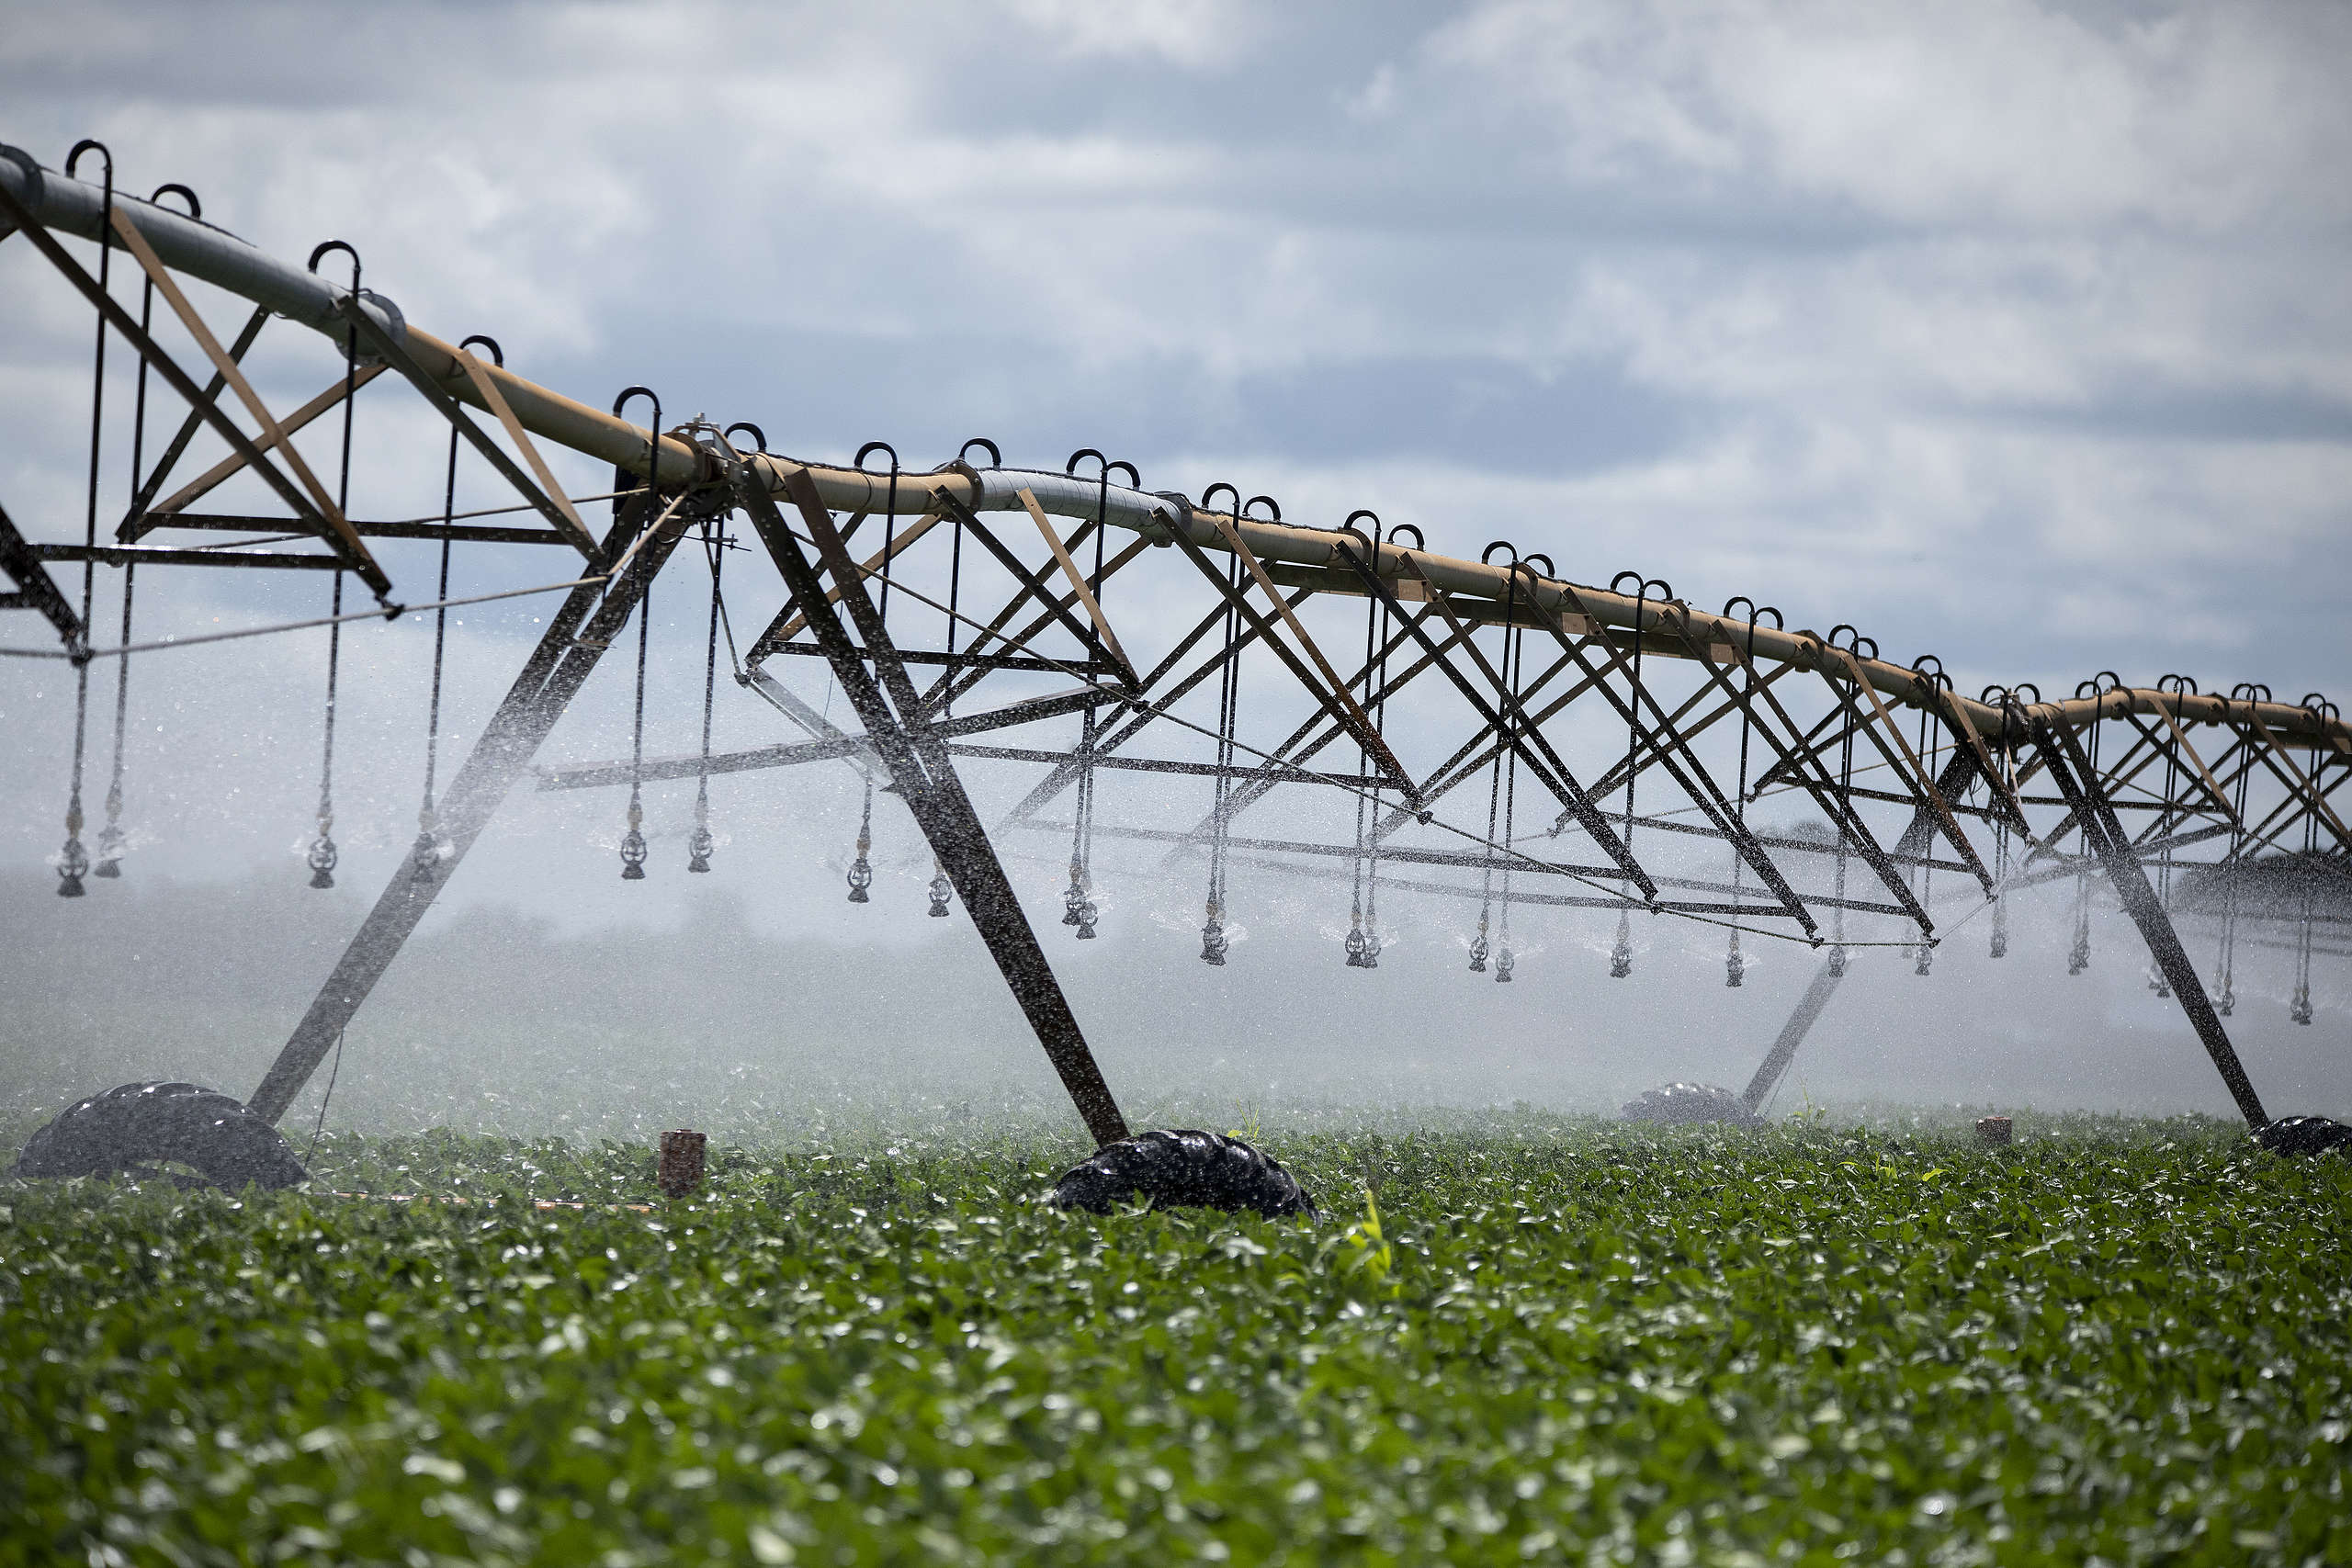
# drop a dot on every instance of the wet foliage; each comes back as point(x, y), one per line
point(2119, 1341)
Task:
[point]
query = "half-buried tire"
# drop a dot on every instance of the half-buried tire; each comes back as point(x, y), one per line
point(1684, 1103)
point(1181, 1167)
point(147, 1125)
point(2304, 1135)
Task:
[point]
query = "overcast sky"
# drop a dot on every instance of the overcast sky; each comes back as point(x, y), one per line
point(2018, 333)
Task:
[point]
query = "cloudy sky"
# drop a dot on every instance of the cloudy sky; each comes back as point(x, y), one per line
point(2019, 334)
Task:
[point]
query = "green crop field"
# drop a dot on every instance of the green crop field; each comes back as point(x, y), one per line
point(2123, 1342)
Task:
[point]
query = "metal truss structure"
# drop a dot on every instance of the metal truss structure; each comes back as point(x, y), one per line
point(1485, 730)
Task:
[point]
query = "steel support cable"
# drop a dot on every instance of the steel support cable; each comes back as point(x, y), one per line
point(1388, 640)
point(942, 888)
point(1079, 908)
point(74, 860)
point(110, 837)
point(1214, 941)
point(1620, 952)
point(2224, 1002)
point(323, 856)
point(389, 611)
point(1479, 950)
point(1362, 946)
point(111, 842)
point(1849, 713)
point(633, 846)
point(699, 843)
point(1514, 668)
point(1999, 945)
point(1924, 961)
point(1734, 964)
point(1507, 739)
point(2079, 957)
point(424, 859)
point(2299, 1007)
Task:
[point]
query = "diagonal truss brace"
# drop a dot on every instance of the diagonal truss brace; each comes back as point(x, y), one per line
point(134, 519)
point(1334, 698)
point(1524, 738)
point(1914, 773)
point(1718, 810)
point(353, 552)
point(1105, 642)
point(565, 521)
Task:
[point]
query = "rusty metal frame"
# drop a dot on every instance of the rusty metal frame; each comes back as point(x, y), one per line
point(1810, 775)
point(1525, 740)
point(355, 554)
point(1712, 804)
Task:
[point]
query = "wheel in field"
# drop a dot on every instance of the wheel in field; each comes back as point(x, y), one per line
point(1181, 1167)
point(1692, 1103)
point(146, 1124)
point(2304, 1135)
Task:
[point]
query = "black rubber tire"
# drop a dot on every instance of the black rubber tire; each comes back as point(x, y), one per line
point(141, 1123)
point(2304, 1135)
point(1183, 1167)
point(1684, 1104)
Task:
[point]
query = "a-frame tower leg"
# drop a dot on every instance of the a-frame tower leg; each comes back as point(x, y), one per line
point(891, 710)
point(592, 616)
point(2079, 782)
point(1917, 839)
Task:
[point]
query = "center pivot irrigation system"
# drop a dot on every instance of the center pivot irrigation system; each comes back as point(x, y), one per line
point(1426, 694)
